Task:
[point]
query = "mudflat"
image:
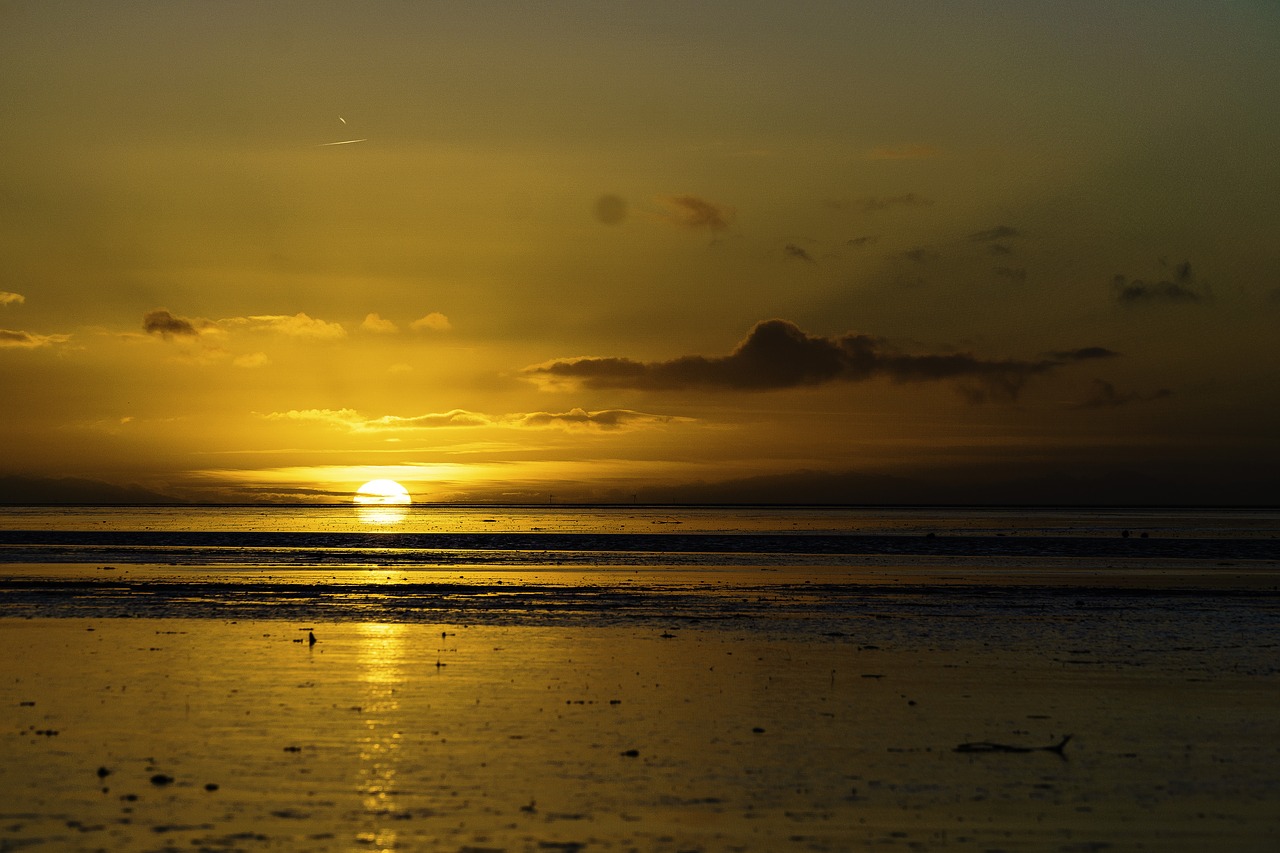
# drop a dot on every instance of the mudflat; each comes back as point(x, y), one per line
point(214, 734)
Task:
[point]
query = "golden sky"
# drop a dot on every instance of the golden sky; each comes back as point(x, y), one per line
point(870, 251)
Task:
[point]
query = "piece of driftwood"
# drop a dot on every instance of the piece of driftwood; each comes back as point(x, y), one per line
point(988, 746)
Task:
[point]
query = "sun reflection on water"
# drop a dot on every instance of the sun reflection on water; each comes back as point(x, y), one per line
point(382, 515)
point(382, 661)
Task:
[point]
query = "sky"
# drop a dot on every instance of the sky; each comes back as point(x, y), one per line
point(857, 252)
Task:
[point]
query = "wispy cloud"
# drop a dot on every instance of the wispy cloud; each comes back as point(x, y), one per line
point(10, 298)
point(13, 339)
point(298, 325)
point(574, 419)
point(920, 255)
point(165, 324)
point(1103, 395)
point(904, 152)
point(777, 354)
point(696, 213)
point(1181, 288)
point(999, 232)
point(877, 204)
point(252, 360)
point(797, 253)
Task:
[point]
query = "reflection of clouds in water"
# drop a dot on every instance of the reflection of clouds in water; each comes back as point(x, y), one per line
point(382, 514)
point(381, 655)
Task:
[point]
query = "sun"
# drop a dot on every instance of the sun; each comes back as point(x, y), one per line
point(382, 492)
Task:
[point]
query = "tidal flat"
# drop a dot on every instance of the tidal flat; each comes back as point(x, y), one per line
point(415, 737)
point(841, 684)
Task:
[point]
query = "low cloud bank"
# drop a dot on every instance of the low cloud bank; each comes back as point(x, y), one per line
point(777, 354)
point(574, 419)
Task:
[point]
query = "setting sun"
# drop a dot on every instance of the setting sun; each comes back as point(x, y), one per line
point(382, 492)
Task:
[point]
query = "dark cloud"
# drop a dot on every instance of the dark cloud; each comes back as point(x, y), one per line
point(161, 322)
point(777, 354)
point(607, 419)
point(1084, 354)
point(1182, 287)
point(697, 213)
point(1000, 232)
point(920, 255)
point(17, 489)
point(876, 205)
point(861, 241)
point(791, 250)
point(610, 209)
point(1104, 395)
point(1015, 274)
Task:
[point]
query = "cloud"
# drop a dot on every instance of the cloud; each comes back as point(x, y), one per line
point(690, 211)
point(920, 255)
point(166, 325)
point(1000, 232)
point(16, 489)
point(298, 325)
point(9, 298)
point(12, 339)
point(865, 240)
point(574, 419)
point(904, 152)
point(1084, 354)
point(610, 209)
point(797, 253)
point(876, 204)
point(374, 323)
point(257, 359)
point(433, 322)
point(1181, 288)
point(353, 420)
point(1015, 274)
point(777, 354)
point(1104, 395)
point(606, 419)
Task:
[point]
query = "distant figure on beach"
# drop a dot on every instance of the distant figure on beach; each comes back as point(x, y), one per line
point(311, 638)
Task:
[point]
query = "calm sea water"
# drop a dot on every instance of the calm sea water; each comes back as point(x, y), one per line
point(427, 518)
point(817, 571)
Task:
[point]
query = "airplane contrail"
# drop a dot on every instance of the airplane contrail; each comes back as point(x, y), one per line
point(343, 142)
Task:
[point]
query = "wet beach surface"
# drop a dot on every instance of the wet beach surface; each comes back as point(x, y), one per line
point(646, 698)
point(411, 736)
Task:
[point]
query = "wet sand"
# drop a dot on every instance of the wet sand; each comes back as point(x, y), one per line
point(388, 736)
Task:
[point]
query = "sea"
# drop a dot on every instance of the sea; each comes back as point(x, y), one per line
point(884, 572)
